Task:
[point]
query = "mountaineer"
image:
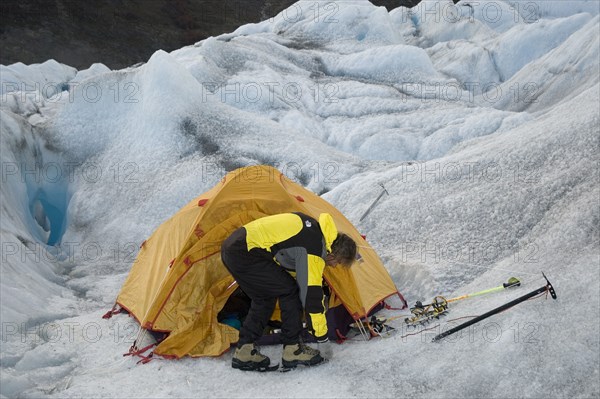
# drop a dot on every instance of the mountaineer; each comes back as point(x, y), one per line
point(282, 257)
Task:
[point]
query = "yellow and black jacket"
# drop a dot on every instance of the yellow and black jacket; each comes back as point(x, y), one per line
point(299, 244)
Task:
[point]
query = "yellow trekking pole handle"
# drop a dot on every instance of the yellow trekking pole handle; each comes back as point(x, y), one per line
point(512, 282)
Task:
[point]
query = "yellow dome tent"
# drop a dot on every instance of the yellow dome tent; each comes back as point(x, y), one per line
point(178, 283)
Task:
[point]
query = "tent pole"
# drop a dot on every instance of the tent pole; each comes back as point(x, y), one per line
point(363, 330)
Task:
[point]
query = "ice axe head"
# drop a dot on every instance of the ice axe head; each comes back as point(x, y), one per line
point(384, 189)
point(549, 287)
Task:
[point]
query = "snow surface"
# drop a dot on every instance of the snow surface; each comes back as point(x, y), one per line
point(482, 120)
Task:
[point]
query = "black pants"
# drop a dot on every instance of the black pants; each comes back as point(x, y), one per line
point(264, 281)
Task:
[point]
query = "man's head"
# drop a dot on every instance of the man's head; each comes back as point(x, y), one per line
point(343, 251)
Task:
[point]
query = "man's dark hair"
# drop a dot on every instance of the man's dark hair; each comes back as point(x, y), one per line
point(344, 249)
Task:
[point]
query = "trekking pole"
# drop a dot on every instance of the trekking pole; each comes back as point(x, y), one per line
point(546, 288)
point(512, 282)
point(369, 209)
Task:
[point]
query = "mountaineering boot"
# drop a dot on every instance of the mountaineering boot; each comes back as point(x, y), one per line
point(248, 357)
point(296, 354)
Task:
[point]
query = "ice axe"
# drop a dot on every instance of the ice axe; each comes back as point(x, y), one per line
point(370, 208)
point(546, 288)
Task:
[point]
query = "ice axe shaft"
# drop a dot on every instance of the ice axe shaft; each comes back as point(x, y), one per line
point(370, 208)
